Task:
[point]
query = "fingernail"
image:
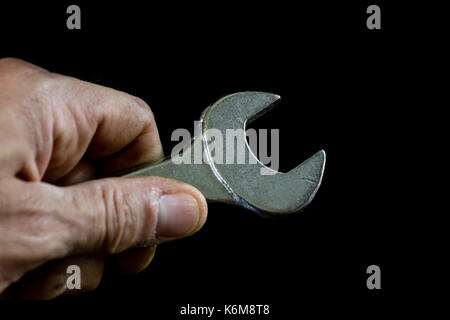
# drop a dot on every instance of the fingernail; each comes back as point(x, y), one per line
point(177, 216)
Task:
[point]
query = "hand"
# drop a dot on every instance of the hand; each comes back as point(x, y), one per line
point(55, 132)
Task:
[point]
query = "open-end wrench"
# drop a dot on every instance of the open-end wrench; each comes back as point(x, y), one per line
point(243, 184)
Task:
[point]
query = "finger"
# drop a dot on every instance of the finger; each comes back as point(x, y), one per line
point(50, 280)
point(83, 171)
point(142, 150)
point(100, 122)
point(133, 260)
point(102, 216)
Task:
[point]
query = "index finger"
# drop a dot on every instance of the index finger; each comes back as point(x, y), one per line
point(104, 123)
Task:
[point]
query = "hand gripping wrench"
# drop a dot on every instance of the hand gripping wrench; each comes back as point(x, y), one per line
point(244, 184)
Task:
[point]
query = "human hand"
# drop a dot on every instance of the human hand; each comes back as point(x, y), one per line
point(55, 134)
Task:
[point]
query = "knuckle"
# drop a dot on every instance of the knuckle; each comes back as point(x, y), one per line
point(119, 222)
point(140, 103)
point(42, 89)
point(16, 74)
point(11, 63)
point(13, 66)
point(130, 218)
point(147, 113)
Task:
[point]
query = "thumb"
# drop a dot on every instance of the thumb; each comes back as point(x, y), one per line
point(116, 214)
point(41, 222)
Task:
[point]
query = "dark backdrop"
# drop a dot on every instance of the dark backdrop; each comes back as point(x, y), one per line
point(342, 89)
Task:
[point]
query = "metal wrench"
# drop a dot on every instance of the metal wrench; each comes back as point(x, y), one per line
point(243, 184)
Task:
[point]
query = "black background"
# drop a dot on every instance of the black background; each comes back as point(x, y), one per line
point(343, 90)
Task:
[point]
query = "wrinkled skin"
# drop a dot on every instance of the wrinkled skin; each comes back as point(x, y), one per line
point(56, 133)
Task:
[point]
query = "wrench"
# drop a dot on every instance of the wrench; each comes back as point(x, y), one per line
point(272, 193)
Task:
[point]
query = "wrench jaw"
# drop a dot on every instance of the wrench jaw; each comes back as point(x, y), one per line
point(310, 171)
point(276, 194)
point(298, 188)
point(235, 110)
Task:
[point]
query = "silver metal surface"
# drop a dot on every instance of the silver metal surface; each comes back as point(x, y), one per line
point(243, 184)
